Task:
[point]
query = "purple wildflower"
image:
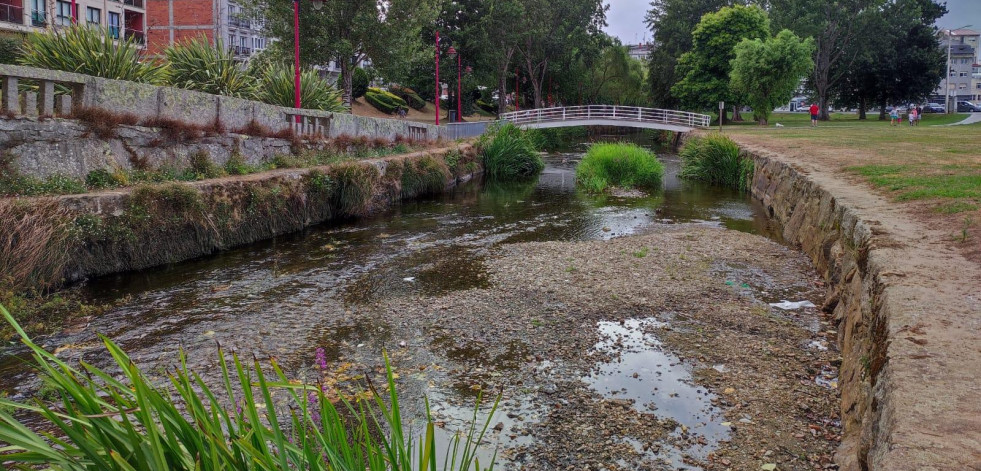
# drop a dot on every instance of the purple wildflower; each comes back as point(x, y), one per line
point(314, 407)
point(321, 359)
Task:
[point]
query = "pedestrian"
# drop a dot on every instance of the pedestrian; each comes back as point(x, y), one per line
point(912, 116)
point(894, 116)
point(919, 114)
point(814, 114)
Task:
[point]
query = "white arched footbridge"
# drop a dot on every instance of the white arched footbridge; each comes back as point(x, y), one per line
point(607, 115)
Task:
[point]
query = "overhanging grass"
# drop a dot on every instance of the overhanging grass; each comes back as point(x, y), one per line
point(620, 165)
point(510, 153)
point(718, 160)
point(113, 421)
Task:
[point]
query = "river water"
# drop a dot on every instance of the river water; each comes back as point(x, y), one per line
point(288, 296)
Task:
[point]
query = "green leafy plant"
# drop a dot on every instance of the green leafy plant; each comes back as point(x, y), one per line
point(92, 52)
point(10, 50)
point(197, 65)
point(716, 159)
point(509, 153)
point(122, 422)
point(621, 165)
point(359, 83)
point(315, 93)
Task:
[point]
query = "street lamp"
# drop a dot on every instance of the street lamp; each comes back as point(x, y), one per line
point(950, 42)
point(317, 5)
point(451, 54)
point(439, 87)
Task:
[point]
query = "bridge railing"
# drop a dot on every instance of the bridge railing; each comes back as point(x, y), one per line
point(608, 112)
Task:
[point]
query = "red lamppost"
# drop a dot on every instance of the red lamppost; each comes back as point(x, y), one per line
point(451, 54)
point(459, 89)
point(439, 89)
point(317, 4)
point(74, 13)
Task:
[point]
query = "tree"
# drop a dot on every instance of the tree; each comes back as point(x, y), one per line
point(359, 83)
point(672, 22)
point(835, 25)
point(705, 69)
point(767, 72)
point(350, 31)
point(616, 79)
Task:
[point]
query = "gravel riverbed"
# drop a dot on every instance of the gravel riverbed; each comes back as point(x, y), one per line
point(652, 351)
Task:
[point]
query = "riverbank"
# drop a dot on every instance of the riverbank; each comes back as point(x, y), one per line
point(903, 287)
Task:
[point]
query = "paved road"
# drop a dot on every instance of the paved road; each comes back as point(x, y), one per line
point(971, 119)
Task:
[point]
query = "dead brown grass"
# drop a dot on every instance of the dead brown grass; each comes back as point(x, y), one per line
point(102, 122)
point(33, 243)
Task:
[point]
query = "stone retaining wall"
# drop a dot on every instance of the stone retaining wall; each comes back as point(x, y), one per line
point(142, 227)
point(905, 403)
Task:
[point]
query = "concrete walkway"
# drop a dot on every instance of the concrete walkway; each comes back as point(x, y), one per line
point(971, 119)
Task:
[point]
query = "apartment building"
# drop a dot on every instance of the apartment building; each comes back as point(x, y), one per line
point(173, 21)
point(123, 18)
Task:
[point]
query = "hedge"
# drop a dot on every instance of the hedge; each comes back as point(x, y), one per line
point(384, 101)
point(409, 95)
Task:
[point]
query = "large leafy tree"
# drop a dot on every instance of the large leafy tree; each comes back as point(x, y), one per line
point(349, 31)
point(768, 71)
point(672, 22)
point(836, 26)
point(615, 78)
point(705, 69)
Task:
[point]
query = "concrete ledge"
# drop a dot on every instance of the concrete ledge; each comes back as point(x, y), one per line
point(908, 310)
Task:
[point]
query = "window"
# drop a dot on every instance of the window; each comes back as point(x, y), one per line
point(64, 15)
point(93, 16)
point(38, 13)
point(113, 24)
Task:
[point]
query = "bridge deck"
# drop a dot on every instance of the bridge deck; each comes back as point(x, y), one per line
point(607, 115)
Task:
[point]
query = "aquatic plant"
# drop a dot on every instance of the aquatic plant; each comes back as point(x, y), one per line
point(619, 165)
point(198, 65)
point(425, 175)
point(716, 159)
point(509, 153)
point(108, 421)
point(355, 187)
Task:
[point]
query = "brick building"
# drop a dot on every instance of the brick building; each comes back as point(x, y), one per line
point(174, 21)
point(123, 18)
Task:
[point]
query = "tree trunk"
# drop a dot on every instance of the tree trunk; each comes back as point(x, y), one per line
point(861, 108)
point(823, 106)
point(347, 78)
point(736, 115)
point(502, 92)
point(882, 111)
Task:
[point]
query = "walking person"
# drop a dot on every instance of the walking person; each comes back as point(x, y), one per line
point(912, 116)
point(919, 114)
point(814, 114)
point(894, 116)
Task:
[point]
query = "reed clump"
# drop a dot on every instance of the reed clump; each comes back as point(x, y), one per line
point(716, 159)
point(620, 165)
point(510, 153)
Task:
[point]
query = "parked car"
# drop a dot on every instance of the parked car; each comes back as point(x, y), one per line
point(967, 107)
point(934, 108)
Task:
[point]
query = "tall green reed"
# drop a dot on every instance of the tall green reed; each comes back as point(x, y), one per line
point(510, 153)
point(716, 159)
point(621, 165)
point(109, 421)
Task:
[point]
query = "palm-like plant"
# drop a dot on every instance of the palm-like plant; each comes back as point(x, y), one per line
point(315, 92)
point(111, 422)
point(92, 52)
point(197, 65)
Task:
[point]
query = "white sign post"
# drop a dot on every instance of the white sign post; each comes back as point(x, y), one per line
point(722, 108)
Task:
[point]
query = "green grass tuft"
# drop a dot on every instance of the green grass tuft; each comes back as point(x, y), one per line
point(716, 159)
point(510, 153)
point(620, 165)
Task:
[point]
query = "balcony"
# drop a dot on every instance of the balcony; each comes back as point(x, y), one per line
point(134, 3)
point(239, 22)
point(12, 14)
point(138, 37)
point(242, 51)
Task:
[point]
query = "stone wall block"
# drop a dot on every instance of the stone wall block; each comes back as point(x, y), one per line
point(235, 113)
point(187, 106)
point(64, 105)
point(10, 95)
point(121, 96)
point(30, 103)
point(47, 98)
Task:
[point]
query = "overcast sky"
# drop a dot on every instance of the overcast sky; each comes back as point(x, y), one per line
point(626, 18)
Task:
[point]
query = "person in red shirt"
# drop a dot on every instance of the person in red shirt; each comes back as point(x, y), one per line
point(814, 114)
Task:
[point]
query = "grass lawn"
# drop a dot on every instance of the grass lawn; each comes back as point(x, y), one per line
point(936, 168)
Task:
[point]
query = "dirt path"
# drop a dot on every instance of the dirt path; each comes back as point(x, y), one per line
point(934, 294)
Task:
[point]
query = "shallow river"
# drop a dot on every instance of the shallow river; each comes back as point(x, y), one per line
point(286, 297)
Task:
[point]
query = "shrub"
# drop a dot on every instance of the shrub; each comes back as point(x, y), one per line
point(119, 419)
point(360, 82)
point(621, 165)
point(716, 159)
point(92, 52)
point(278, 88)
point(488, 107)
point(409, 96)
point(384, 101)
point(10, 50)
point(102, 178)
point(509, 153)
point(197, 65)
